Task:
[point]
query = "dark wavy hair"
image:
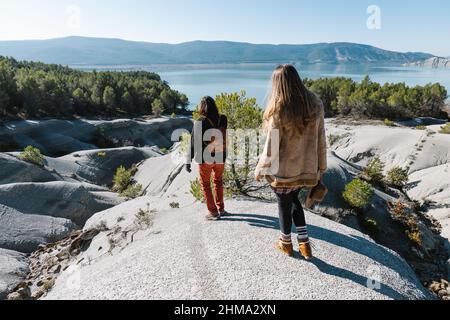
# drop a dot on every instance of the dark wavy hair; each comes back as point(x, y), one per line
point(208, 109)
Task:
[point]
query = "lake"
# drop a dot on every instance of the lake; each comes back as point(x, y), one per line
point(197, 81)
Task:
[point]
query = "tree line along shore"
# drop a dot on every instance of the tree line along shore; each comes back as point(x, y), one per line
point(37, 90)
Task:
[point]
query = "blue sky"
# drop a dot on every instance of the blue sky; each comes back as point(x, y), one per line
point(405, 25)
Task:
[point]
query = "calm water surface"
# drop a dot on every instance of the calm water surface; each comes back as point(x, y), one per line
point(198, 81)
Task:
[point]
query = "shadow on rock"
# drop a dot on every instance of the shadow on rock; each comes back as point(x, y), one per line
point(356, 244)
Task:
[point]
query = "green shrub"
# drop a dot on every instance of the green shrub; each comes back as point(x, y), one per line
point(133, 170)
point(122, 179)
point(389, 123)
point(358, 193)
point(415, 236)
point(397, 177)
point(242, 113)
point(185, 144)
point(333, 139)
point(174, 205)
point(133, 191)
point(398, 211)
point(445, 129)
point(101, 154)
point(143, 219)
point(123, 182)
point(173, 115)
point(32, 155)
point(375, 170)
point(157, 107)
point(421, 127)
point(196, 190)
point(371, 224)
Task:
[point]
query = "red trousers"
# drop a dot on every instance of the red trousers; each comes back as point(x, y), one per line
point(214, 171)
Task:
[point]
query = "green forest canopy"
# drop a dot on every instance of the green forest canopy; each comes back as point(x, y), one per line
point(32, 89)
point(370, 100)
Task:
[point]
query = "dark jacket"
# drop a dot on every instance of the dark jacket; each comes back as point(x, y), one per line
point(200, 128)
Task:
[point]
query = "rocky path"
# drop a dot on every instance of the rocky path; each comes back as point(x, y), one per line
point(182, 256)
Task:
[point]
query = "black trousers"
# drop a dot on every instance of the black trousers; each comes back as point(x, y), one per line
point(290, 211)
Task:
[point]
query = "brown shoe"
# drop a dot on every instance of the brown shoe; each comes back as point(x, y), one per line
point(212, 217)
point(224, 214)
point(286, 248)
point(305, 250)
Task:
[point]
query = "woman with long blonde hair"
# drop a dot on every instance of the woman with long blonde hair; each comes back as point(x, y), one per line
point(295, 155)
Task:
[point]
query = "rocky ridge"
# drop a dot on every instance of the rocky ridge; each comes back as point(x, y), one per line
point(45, 204)
point(121, 230)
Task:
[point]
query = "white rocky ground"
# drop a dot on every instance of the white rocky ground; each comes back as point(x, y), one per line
point(24, 232)
point(16, 171)
point(61, 137)
point(44, 205)
point(13, 269)
point(181, 256)
point(425, 152)
point(73, 201)
point(98, 166)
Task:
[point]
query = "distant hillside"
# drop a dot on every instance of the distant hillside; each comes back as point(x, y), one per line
point(435, 62)
point(98, 51)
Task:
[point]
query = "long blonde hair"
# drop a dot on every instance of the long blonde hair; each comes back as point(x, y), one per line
point(291, 105)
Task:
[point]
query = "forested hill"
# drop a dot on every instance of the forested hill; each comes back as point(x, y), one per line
point(37, 90)
point(34, 90)
point(100, 51)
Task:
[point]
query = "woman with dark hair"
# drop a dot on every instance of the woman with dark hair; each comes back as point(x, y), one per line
point(208, 149)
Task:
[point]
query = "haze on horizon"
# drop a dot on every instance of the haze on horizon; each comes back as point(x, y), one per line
point(403, 25)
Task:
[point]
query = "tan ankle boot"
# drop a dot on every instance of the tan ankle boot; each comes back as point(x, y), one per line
point(286, 248)
point(306, 250)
